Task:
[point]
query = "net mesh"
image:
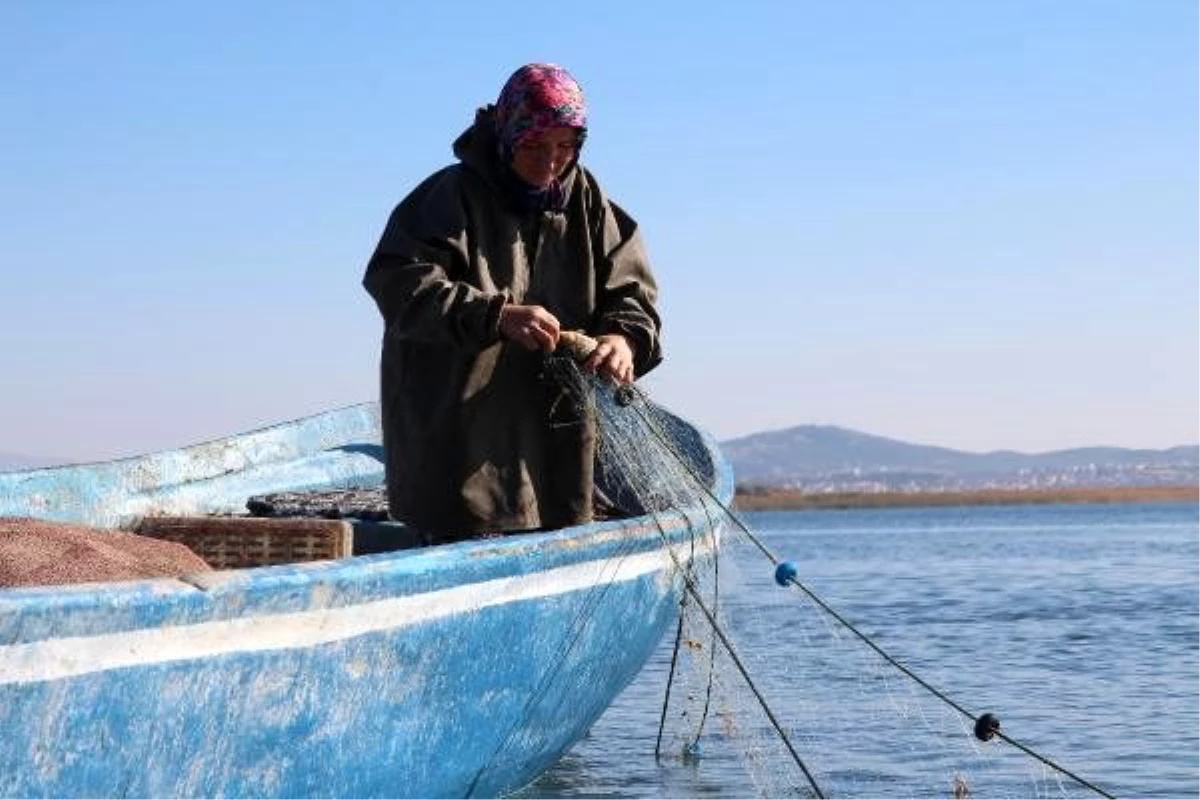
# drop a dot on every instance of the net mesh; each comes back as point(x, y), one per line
point(803, 711)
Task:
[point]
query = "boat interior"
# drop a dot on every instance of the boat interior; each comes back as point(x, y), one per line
point(297, 527)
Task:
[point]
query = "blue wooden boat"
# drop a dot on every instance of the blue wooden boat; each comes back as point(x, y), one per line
point(458, 670)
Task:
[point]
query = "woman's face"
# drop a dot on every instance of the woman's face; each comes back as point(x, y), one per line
point(541, 158)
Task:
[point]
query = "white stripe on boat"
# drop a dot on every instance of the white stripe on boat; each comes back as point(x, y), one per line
point(54, 659)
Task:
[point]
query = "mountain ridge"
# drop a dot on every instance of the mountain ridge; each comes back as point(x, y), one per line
point(831, 457)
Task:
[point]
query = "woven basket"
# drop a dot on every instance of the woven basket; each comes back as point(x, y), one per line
point(240, 542)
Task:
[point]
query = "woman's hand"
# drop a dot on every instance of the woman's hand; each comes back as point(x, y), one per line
point(612, 357)
point(532, 327)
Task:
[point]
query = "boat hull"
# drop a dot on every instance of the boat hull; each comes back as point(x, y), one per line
point(459, 670)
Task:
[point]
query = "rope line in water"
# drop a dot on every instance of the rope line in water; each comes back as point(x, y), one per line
point(662, 719)
point(690, 584)
point(712, 647)
point(934, 691)
point(791, 578)
point(619, 445)
point(685, 571)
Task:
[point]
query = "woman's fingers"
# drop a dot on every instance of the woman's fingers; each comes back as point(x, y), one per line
point(546, 334)
point(535, 328)
point(532, 327)
point(612, 357)
point(544, 328)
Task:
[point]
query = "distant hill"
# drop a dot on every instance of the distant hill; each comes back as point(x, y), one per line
point(827, 457)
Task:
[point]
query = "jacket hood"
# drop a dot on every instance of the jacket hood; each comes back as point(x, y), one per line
point(478, 148)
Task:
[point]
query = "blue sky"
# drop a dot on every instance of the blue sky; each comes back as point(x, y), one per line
point(969, 224)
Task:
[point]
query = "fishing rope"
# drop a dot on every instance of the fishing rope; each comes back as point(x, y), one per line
point(717, 630)
point(712, 650)
point(662, 719)
point(690, 584)
point(986, 725)
point(569, 375)
point(624, 452)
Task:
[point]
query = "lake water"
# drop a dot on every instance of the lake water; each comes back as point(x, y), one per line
point(1076, 625)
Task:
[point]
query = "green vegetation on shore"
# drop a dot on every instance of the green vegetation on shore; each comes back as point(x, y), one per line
point(792, 499)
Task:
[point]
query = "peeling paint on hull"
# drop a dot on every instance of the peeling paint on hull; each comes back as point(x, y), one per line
point(466, 668)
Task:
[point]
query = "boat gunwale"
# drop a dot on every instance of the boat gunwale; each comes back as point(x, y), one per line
point(37, 613)
point(40, 613)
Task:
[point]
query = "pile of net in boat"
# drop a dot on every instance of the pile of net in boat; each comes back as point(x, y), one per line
point(365, 503)
point(803, 709)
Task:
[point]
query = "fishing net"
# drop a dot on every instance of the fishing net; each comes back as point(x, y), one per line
point(804, 711)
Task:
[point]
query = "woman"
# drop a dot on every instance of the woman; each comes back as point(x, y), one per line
point(478, 271)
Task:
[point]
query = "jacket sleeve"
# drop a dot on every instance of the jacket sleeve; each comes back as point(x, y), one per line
point(412, 273)
point(628, 292)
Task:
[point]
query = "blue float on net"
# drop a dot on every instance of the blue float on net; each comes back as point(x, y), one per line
point(785, 573)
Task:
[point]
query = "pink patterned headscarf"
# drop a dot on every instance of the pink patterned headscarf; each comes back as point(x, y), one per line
point(535, 98)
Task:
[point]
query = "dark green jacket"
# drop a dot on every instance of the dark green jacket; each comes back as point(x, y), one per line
point(466, 416)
